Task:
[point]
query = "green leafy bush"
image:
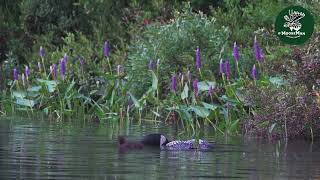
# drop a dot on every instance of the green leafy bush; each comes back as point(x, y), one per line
point(174, 44)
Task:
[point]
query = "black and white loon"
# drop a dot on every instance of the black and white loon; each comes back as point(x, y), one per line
point(165, 144)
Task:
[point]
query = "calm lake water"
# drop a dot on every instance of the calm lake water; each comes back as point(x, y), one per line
point(37, 149)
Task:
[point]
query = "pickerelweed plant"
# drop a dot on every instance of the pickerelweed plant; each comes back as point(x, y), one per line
point(194, 83)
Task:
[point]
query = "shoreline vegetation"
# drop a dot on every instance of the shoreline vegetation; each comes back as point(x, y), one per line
point(186, 64)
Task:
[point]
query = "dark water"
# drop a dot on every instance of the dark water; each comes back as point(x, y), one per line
point(36, 149)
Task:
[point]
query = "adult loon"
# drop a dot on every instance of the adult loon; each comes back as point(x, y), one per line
point(160, 140)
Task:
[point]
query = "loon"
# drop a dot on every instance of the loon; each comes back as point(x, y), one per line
point(165, 144)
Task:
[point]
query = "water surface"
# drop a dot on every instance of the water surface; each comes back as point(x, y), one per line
point(38, 149)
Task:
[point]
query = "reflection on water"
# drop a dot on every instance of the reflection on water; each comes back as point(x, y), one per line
point(42, 150)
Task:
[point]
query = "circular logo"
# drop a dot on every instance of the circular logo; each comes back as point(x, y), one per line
point(294, 25)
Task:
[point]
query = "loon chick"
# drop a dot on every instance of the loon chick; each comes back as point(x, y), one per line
point(184, 145)
point(123, 144)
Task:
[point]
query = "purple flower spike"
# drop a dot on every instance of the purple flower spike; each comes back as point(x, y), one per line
point(174, 83)
point(210, 91)
point(221, 67)
point(188, 75)
point(106, 50)
point(27, 72)
point(257, 50)
point(15, 74)
point(198, 58)
point(62, 68)
point(41, 52)
point(65, 58)
point(151, 65)
point(227, 70)
point(254, 72)
point(235, 52)
point(195, 87)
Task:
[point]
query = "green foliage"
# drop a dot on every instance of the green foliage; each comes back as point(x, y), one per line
point(9, 13)
point(243, 19)
point(54, 16)
point(174, 45)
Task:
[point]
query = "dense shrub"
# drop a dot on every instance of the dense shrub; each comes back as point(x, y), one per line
point(282, 112)
point(293, 108)
point(174, 44)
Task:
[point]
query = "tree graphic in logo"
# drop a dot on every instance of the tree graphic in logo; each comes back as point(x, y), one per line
point(293, 20)
point(294, 25)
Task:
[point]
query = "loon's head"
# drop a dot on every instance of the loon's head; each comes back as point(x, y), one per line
point(163, 140)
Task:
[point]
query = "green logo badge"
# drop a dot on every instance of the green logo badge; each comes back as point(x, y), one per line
point(294, 25)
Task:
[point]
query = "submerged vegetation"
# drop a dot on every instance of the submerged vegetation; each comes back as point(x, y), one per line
point(158, 63)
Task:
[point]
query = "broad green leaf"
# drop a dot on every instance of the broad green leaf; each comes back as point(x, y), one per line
point(210, 106)
point(205, 85)
point(135, 101)
point(112, 97)
point(185, 114)
point(93, 92)
point(47, 82)
point(34, 89)
point(33, 94)
point(156, 114)
point(154, 81)
point(235, 124)
point(70, 87)
point(200, 111)
point(227, 99)
point(240, 95)
point(185, 92)
point(225, 114)
point(25, 102)
point(278, 81)
point(46, 110)
point(173, 108)
point(272, 127)
point(51, 85)
point(19, 94)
